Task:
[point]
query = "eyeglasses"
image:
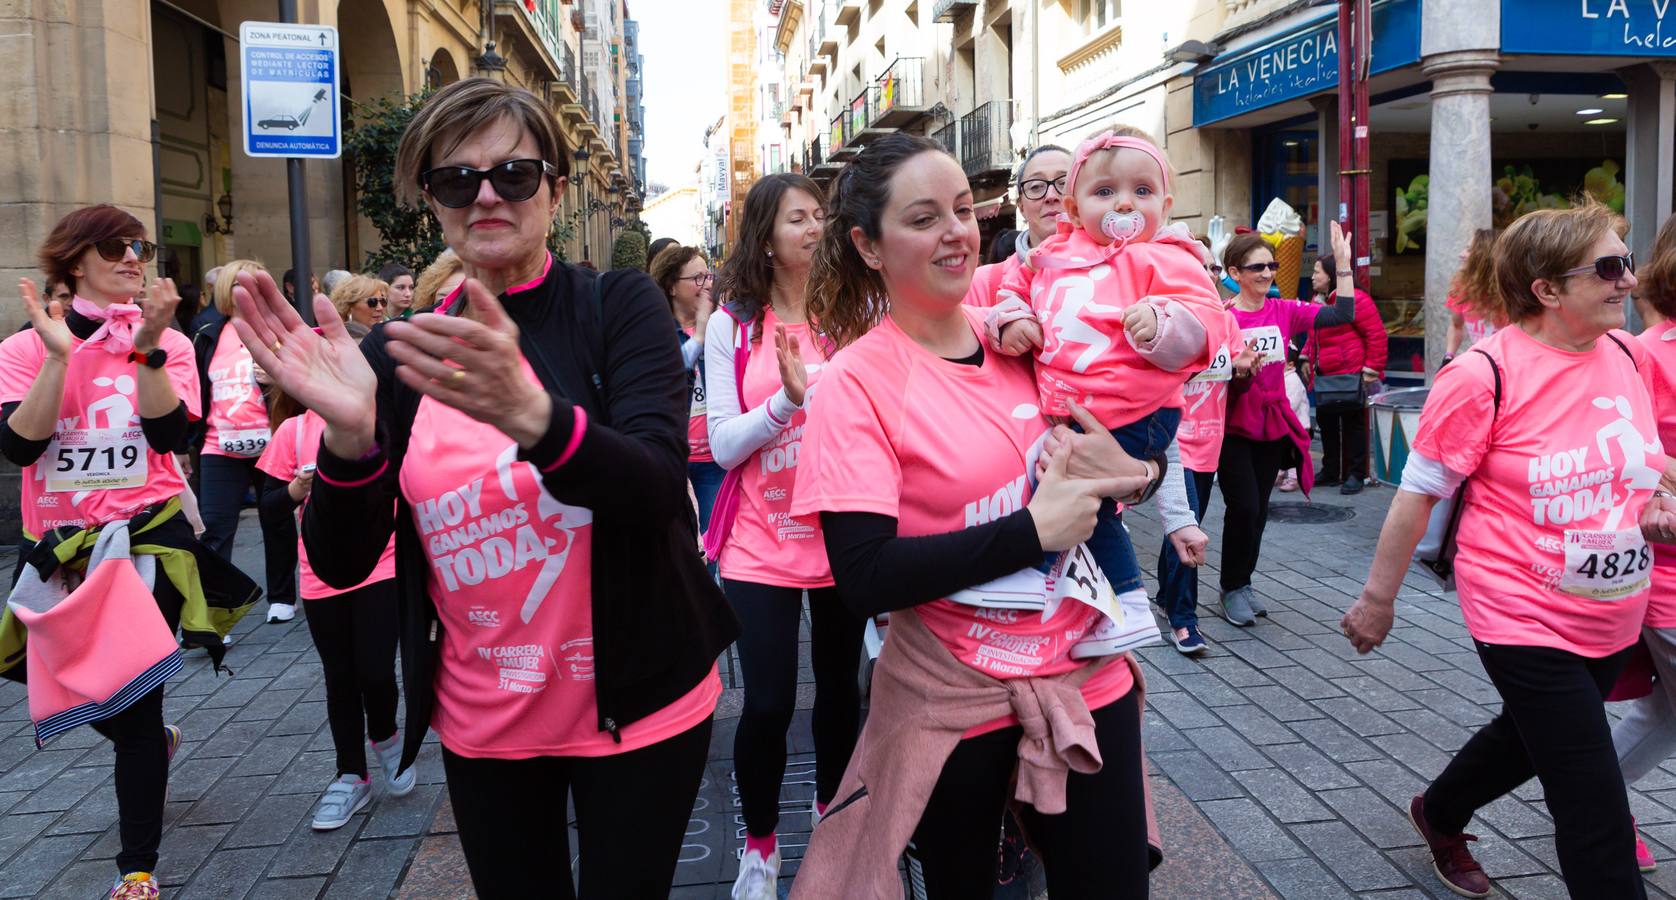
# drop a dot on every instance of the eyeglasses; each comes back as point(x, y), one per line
point(701, 280)
point(116, 249)
point(1215, 270)
point(456, 187)
point(1256, 268)
point(1607, 268)
point(376, 302)
point(1037, 188)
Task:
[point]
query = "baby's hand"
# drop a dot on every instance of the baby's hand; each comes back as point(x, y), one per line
point(1020, 337)
point(1141, 321)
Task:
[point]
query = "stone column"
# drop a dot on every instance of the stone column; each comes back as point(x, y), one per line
point(1326, 129)
point(1459, 197)
point(1650, 160)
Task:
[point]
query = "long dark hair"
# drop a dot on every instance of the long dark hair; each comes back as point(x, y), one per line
point(846, 296)
point(747, 277)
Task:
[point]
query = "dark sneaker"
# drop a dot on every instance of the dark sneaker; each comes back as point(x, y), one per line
point(1328, 479)
point(1451, 859)
point(1352, 485)
point(1191, 645)
point(1258, 607)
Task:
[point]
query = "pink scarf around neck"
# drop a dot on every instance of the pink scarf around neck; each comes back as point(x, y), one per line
point(117, 323)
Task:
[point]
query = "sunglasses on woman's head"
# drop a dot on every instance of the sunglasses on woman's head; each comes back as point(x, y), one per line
point(116, 249)
point(1607, 268)
point(1255, 268)
point(456, 187)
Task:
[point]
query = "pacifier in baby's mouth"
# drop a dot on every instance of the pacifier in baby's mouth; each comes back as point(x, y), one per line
point(1122, 227)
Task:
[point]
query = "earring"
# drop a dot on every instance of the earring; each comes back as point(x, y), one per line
point(770, 254)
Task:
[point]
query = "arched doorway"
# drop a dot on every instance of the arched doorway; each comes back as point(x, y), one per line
point(442, 70)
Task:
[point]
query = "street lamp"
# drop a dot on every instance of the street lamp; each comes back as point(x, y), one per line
point(225, 204)
point(581, 168)
point(490, 63)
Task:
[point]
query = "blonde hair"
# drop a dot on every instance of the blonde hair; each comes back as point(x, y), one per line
point(226, 280)
point(1542, 246)
point(356, 289)
point(432, 279)
point(462, 109)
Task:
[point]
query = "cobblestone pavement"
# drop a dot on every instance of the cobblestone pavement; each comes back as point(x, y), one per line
point(1282, 763)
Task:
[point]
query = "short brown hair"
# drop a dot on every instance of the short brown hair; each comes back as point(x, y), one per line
point(354, 290)
point(433, 278)
point(667, 266)
point(1541, 246)
point(226, 280)
point(1658, 279)
point(460, 110)
point(77, 231)
point(1241, 247)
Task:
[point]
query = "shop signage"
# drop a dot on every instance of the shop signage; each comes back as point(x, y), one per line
point(1303, 62)
point(1589, 27)
point(290, 78)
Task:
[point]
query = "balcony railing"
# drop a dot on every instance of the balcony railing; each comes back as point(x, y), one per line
point(985, 146)
point(948, 10)
point(949, 136)
point(901, 93)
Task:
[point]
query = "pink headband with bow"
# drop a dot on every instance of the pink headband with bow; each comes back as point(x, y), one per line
point(1109, 141)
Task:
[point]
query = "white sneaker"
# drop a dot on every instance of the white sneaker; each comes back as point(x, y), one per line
point(281, 612)
point(389, 758)
point(757, 877)
point(814, 813)
point(1108, 638)
point(1024, 589)
point(343, 798)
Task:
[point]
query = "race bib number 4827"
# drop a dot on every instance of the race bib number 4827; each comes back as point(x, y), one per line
point(1268, 343)
point(95, 459)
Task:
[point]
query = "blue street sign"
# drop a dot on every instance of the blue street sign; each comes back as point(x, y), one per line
point(290, 80)
point(1300, 64)
point(1589, 27)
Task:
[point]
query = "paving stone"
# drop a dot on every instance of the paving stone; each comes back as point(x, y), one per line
point(281, 816)
point(269, 704)
point(16, 831)
point(88, 878)
point(1418, 755)
point(192, 779)
point(95, 813)
point(1227, 749)
point(230, 873)
point(184, 849)
point(1251, 831)
point(1309, 767)
point(1440, 732)
point(1207, 689)
point(232, 739)
point(229, 802)
point(1378, 694)
point(270, 755)
point(1393, 782)
point(1281, 703)
point(1378, 821)
point(309, 773)
point(1334, 741)
point(1183, 711)
point(311, 852)
point(1197, 776)
point(236, 692)
point(291, 889)
point(1237, 672)
point(370, 870)
point(40, 862)
point(1283, 797)
point(1356, 862)
point(62, 792)
point(1358, 716)
point(1256, 726)
point(1157, 736)
point(37, 769)
point(1305, 683)
point(303, 718)
point(402, 816)
point(1515, 819)
point(1302, 878)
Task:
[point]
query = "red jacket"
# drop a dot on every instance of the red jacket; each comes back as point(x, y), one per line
point(1348, 348)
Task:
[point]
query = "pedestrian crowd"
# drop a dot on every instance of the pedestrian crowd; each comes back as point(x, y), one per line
point(555, 496)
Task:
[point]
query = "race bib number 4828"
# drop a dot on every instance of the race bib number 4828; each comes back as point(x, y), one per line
point(95, 459)
point(1606, 565)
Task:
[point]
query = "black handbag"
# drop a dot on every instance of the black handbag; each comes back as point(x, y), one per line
point(1337, 393)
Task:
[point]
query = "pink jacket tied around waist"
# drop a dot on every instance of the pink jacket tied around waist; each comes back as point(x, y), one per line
point(98, 647)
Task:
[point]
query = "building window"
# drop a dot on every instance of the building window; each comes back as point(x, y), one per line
point(774, 158)
point(1096, 15)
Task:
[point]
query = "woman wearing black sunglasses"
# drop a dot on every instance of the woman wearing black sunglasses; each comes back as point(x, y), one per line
point(559, 630)
point(1549, 434)
point(361, 302)
point(95, 399)
point(1263, 436)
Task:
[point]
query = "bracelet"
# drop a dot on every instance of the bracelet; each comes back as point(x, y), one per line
point(1349, 274)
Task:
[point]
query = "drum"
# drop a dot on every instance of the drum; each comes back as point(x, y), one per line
point(1396, 418)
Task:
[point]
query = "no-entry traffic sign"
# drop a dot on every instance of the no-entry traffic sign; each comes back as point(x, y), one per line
point(290, 79)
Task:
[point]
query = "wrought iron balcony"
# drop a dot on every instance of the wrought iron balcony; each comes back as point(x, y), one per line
point(985, 146)
point(950, 10)
point(900, 93)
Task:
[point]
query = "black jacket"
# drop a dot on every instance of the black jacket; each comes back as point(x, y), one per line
point(659, 621)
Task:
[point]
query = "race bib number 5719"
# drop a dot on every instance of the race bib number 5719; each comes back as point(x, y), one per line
point(95, 459)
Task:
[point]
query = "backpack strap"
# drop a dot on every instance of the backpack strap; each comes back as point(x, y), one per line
point(595, 329)
point(1495, 371)
point(1624, 347)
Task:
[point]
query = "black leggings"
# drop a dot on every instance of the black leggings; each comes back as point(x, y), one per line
point(225, 480)
point(1097, 848)
point(355, 635)
point(768, 619)
point(1247, 471)
point(1552, 725)
point(632, 812)
point(142, 759)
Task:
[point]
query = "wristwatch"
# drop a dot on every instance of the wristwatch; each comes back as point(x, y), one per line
point(153, 360)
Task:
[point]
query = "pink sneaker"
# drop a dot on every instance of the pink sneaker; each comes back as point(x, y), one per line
point(1643, 856)
point(1288, 481)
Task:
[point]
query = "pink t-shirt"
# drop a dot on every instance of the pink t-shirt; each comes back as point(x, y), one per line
point(698, 426)
point(1660, 342)
point(767, 545)
point(294, 445)
point(1085, 355)
point(1260, 410)
point(511, 577)
point(941, 446)
point(1477, 328)
point(237, 423)
point(986, 283)
point(1204, 409)
point(99, 467)
point(1550, 552)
